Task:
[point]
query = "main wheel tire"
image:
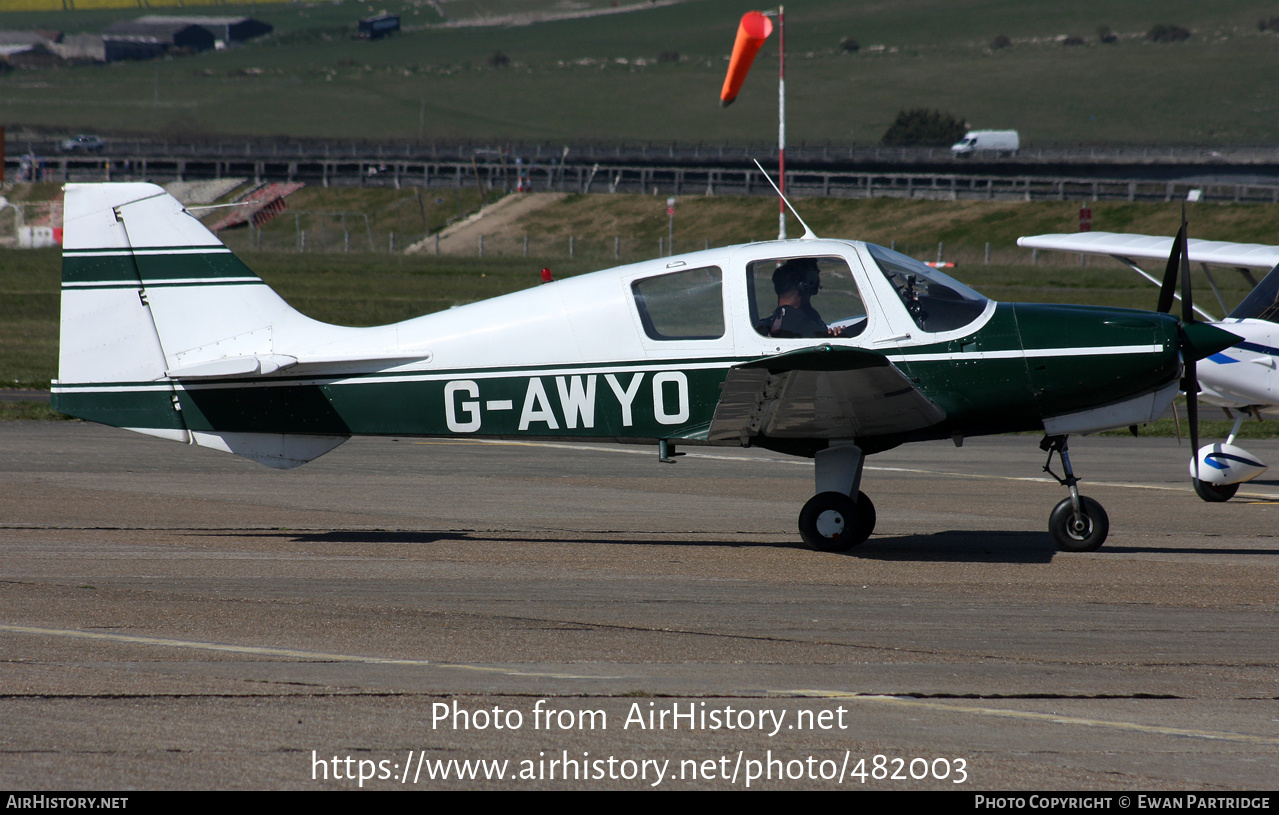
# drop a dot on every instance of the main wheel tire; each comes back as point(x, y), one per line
point(834, 522)
point(865, 517)
point(1086, 535)
point(1214, 493)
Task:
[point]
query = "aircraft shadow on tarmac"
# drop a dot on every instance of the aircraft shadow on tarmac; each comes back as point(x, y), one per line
point(950, 547)
point(958, 546)
point(962, 546)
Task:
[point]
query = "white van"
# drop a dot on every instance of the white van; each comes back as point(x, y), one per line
point(998, 141)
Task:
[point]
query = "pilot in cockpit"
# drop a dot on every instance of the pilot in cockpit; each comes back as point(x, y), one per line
point(796, 281)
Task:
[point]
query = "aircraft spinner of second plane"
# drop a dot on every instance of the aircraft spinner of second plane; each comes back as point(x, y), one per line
point(828, 349)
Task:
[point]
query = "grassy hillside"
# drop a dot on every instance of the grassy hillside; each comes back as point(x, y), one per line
point(601, 77)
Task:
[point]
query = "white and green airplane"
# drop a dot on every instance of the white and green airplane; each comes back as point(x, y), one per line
point(829, 349)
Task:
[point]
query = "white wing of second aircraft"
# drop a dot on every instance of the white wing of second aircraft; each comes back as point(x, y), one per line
point(1117, 244)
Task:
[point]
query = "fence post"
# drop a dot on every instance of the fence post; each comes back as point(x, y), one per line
point(661, 247)
point(481, 246)
point(941, 250)
point(526, 246)
point(987, 253)
point(617, 247)
point(572, 246)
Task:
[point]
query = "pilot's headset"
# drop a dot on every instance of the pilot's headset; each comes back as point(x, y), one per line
point(801, 274)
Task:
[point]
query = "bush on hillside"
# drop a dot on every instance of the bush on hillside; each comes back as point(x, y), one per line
point(923, 127)
point(849, 45)
point(1001, 41)
point(1104, 34)
point(1168, 33)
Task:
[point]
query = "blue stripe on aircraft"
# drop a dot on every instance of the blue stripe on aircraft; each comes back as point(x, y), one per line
point(1260, 349)
point(1222, 359)
point(1217, 460)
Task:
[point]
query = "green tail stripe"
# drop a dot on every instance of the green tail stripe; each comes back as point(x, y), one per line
point(211, 266)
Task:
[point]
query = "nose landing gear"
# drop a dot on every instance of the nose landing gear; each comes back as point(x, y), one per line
point(1078, 523)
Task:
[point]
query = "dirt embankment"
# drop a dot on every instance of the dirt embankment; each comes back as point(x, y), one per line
point(497, 223)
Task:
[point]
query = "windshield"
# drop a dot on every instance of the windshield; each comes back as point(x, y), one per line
point(935, 301)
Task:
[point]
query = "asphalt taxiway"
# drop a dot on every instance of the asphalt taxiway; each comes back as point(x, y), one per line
point(178, 618)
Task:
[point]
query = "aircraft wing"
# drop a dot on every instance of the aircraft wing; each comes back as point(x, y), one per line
point(824, 392)
point(1150, 247)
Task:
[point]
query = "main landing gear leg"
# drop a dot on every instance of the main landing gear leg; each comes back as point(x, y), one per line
point(832, 520)
point(1077, 524)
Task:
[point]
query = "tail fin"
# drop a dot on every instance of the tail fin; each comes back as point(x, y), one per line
point(158, 316)
point(1262, 303)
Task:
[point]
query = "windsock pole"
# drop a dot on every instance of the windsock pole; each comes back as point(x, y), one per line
point(781, 121)
point(751, 33)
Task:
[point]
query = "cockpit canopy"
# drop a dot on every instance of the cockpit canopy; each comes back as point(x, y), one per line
point(935, 301)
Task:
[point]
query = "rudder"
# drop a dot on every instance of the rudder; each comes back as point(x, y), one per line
point(152, 300)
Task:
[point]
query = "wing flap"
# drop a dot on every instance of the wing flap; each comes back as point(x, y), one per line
point(820, 393)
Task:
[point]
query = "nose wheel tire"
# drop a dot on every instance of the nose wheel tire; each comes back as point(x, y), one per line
point(1085, 533)
point(834, 522)
point(1214, 493)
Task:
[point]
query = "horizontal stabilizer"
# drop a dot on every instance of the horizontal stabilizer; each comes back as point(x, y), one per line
point(234, 366)
point(264, 364)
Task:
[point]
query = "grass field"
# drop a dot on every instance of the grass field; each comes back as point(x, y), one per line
point(600, 78)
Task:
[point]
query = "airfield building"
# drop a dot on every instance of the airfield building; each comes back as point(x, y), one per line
point(226, 31)
point(145, 40)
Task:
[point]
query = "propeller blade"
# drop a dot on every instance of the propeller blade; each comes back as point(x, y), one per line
point(1190, 380)
point(1192, 340)
point(1187, 299)
point(1190, 384)
point(1170, 273)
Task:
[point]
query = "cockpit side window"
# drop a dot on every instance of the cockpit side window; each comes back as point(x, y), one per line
point(935, 301)
point(805, 297)
point(684, 305)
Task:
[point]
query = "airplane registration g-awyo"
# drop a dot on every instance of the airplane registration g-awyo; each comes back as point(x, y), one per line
point(164, 331)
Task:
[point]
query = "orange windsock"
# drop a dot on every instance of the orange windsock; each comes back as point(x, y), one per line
point(752, 32)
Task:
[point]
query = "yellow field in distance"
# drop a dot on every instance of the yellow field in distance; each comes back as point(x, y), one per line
point(85, 5)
